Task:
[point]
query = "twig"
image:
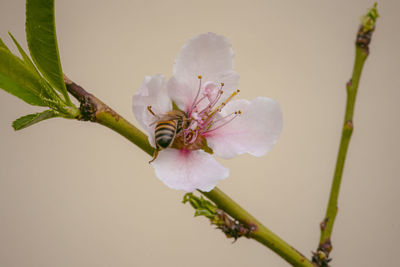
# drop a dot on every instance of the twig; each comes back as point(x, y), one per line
point(258, 231)
point(321, 257)
point(95, 110)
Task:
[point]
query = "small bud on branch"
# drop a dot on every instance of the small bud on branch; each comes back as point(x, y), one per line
point(231, 227)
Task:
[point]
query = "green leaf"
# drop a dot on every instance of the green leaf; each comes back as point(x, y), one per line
point(187, 197)
point(28, 62)
point(25, 57)
point(11, 87)
point(368, 21)
point(3, 45)
point(202, 206)
point(42, 42)
point(17, 79)
point(31, 119)
point(204, 212)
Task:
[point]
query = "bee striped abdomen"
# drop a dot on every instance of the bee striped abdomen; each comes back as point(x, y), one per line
point(165, 133)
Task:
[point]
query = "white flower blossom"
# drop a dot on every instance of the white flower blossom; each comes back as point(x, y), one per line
point(203, 85)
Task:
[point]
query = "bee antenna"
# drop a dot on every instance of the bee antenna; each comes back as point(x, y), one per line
point(151, 111)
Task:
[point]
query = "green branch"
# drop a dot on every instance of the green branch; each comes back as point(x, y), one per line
point(93, 109)
point(362, 50)
point(259, 232)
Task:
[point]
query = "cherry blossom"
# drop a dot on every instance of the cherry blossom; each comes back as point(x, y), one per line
point(204, 86)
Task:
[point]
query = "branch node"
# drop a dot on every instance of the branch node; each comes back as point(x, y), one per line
point(348, 126)
point(231, 227)
point(367, 26)
point(364, 38)
point(88, 109)
point(90, 106)
point(322, 225)
point(349, 84)
point(321, 256)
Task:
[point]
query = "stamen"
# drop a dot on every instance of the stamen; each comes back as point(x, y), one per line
point(227, 100)
point(213, 103)
point(219, 108)
point(197, 95)
point(187, 131)
point(190, 125)
point(220, 92)
point(191, 137)
point(234, 114)
point(198, 102)
point(194, 136)
point(224, 118)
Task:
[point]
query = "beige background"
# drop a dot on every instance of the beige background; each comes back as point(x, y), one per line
point(77, 194)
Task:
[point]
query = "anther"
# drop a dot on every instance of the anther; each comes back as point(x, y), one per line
point(199, 77)
point(222, 84)
point(219, 108)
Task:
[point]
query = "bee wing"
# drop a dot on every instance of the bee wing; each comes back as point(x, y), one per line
point(171, 115)
point(163, 118)
point(155, 121)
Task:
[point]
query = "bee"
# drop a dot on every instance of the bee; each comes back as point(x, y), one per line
point(168, 126)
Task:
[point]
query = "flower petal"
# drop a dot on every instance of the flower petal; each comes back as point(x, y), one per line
point(188, 170)
point(255, 131)
point(209, 55)
point(151, 93)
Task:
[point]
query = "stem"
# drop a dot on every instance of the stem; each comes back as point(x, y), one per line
point(352, 86)
point(258, 231)
point(126, 129)
point(362, 50)
point(93, 109)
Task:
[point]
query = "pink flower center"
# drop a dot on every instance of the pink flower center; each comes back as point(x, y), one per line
point(203, 115)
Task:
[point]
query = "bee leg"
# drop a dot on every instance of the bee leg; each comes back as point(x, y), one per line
point(155, 156)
